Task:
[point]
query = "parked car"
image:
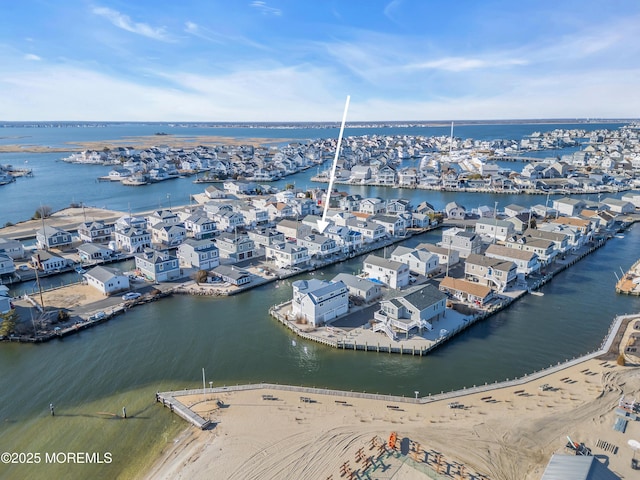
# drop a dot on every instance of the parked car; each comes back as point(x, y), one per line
point(131, 296)
point(98, 316)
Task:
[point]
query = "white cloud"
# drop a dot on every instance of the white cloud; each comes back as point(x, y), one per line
point(124, 22)
point(32, 57)
point(265, 9)
point(461, 64)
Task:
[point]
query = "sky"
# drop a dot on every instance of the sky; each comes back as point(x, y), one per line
point(297, 61)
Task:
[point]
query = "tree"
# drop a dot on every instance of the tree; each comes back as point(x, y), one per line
point(200, 276)
point(8, 323)
point(533, 224)
point(43, 211)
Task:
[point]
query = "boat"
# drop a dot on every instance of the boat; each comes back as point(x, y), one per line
point(536, 293)
point(619, 235)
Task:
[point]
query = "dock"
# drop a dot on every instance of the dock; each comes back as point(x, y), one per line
point(629, 284)
point(169, 400)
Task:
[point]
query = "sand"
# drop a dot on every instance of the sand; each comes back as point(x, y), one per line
point(511, 435)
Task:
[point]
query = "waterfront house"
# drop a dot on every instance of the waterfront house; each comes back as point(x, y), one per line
point(287, 255)
point(92, 252)
point(359, 287)
point(240, 188)
point(12, 248)
point(372, 206)
point(490, 271)
point(232, 274)
point(168, 234)
point(420, 261)
point(526, 262)
point(398, 205)
point(545, 249)
point(390, 272)
point(293, 229)
point(370, 231)
point(601, 219)
point(107, 280)
point(132, 240)
point(6, 304)
point(493, 229)
point(569, 206)
point(214, 192)
point(561, 240)
point(117, 174)
point(198, 253)
point(458, 239)
point(199, 226)
point(386, 175)
point(544, 211)
point(393, 225)
point(317, 302)
point(425, 208)
point(236, 247)
point(157, 266)
point(360, 174)
point(446, 256)
point(318, 245)
point(95, 232)
point(418, 309)
point(466, 291)
point(580, 230)
point(454, 211)
point(47, 262)
point(634, 196)
point(7, 267)
point(513, 210)
point(264, 237)
point(52, 237)
point(619, 206)
point(349, 203)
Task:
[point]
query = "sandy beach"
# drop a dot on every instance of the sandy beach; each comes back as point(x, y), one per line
point(504, 434)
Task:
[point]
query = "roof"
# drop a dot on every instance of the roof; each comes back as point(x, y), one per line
point(424, 297)
point(484, 261)
point(466, 286)
point(230, 272)
point(351, 281)
point(383, 262)
point(503, 251)
point(577, 467)
point(103, 274)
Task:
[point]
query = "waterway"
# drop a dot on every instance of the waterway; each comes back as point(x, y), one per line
point(165, 345)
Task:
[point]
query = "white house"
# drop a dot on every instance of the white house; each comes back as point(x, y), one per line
point(287, 254)
point(466, 291)
point(420, 261)
point(495, 229)
point(48, 262)
point(454, 211)
point(391, 273)
point(132, 240)
point(458, 239)
point(235, 247)
point(318, 245)
point(169, 234)
point(360, 287)
point(418, 309)
point(318, 302)
point(11, 248)
point(91, 252)
point(95, 232)
point(107, 280)
point(201, 254)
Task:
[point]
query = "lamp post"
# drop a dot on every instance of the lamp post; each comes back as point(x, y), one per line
point(416, 392)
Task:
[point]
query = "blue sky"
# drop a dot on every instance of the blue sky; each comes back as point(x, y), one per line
point(294, 60)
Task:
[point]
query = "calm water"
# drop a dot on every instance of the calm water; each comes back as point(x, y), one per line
point(165, 345)
point(58, 184)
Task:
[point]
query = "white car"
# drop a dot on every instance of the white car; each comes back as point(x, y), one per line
point(131, 296)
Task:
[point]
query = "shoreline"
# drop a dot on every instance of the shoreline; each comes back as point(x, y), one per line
point(492, 432)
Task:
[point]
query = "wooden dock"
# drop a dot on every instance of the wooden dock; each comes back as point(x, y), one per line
point(169, 400)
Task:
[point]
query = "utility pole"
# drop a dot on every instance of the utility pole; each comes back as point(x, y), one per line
point(495, 225)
